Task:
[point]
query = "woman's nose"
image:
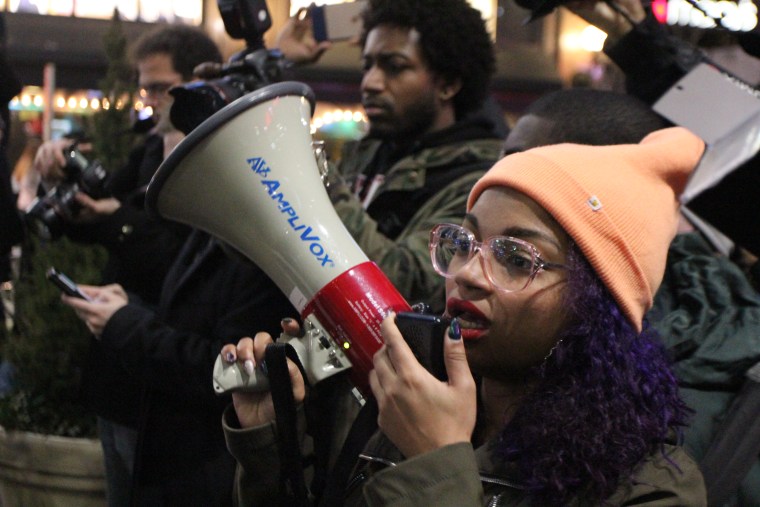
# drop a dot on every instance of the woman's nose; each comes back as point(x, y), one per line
point(473, 273)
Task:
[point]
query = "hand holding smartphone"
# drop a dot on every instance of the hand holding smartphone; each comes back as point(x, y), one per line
point(66, 285)
point(425, 334)
point(335, 22)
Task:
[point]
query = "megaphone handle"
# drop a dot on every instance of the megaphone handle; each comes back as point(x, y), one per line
point(319, 356)
point(230, 377)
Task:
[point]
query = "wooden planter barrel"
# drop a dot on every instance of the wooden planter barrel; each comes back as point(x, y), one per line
point(50, 471)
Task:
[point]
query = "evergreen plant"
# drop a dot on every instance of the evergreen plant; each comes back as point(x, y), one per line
point(48, 345)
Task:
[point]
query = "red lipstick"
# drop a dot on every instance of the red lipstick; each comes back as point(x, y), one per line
point(473, 322)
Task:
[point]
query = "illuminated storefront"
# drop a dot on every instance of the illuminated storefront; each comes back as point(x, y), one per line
point(739, 16)
point(148, 11)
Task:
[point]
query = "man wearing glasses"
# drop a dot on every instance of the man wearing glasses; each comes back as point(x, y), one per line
point(163, 58)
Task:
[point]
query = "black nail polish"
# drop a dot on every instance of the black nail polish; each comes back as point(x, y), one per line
point(455, 331)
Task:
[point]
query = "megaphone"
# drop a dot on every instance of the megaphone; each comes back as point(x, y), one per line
point(248, 176)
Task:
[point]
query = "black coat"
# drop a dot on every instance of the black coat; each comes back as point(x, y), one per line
point(140, 252)
point(208, 299)
point(140, 249)
point(11, 231)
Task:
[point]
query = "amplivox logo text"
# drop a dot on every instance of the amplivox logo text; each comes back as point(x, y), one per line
point(307, 234)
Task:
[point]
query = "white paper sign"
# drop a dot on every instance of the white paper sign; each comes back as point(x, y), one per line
point(724, 112)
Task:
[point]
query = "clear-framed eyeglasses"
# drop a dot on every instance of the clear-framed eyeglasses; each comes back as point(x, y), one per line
point(157, 89)
point(510, 264)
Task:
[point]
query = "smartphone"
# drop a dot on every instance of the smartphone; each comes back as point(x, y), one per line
point(66, 285)
point(425, 334)
point(337, 21)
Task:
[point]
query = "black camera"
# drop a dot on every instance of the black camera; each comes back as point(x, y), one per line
point(47, 214)
point(246, 71)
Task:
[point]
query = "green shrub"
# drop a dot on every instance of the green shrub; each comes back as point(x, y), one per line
point(48, 346)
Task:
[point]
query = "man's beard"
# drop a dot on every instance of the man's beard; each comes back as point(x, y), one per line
point(406, 127)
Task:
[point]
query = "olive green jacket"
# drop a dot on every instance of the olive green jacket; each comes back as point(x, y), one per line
point(456, 475)
point(460, 476)
point(426, 188)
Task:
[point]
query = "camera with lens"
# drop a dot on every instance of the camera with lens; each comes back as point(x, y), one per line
point(46, 215)
point(246, 71)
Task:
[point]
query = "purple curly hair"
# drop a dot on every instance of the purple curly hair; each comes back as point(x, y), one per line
point(606, 399)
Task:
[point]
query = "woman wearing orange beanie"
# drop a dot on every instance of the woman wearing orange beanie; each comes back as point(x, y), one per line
point(548, 279)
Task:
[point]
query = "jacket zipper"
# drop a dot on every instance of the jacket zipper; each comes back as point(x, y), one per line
point(488, 479)
point(355, 481)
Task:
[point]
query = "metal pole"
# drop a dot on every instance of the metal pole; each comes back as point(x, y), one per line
point(48, 88)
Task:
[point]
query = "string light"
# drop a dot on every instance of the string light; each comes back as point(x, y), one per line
point(338, 122)
point(344, 119)
point(338, 115)
point(32, 98)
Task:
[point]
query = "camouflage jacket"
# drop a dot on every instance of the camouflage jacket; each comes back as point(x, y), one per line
point(425, 188)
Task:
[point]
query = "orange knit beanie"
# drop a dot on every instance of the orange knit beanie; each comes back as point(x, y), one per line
point(618, 203)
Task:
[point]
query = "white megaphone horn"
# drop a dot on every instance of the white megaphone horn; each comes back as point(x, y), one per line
point(248, 175)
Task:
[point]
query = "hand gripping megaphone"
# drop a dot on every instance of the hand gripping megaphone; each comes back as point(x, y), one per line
point(248, 176)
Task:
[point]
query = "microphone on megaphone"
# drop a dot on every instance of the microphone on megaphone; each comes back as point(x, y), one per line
point(248, 176)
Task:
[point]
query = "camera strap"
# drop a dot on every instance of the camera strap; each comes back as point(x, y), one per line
point(293, 491)
point(364, 426)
